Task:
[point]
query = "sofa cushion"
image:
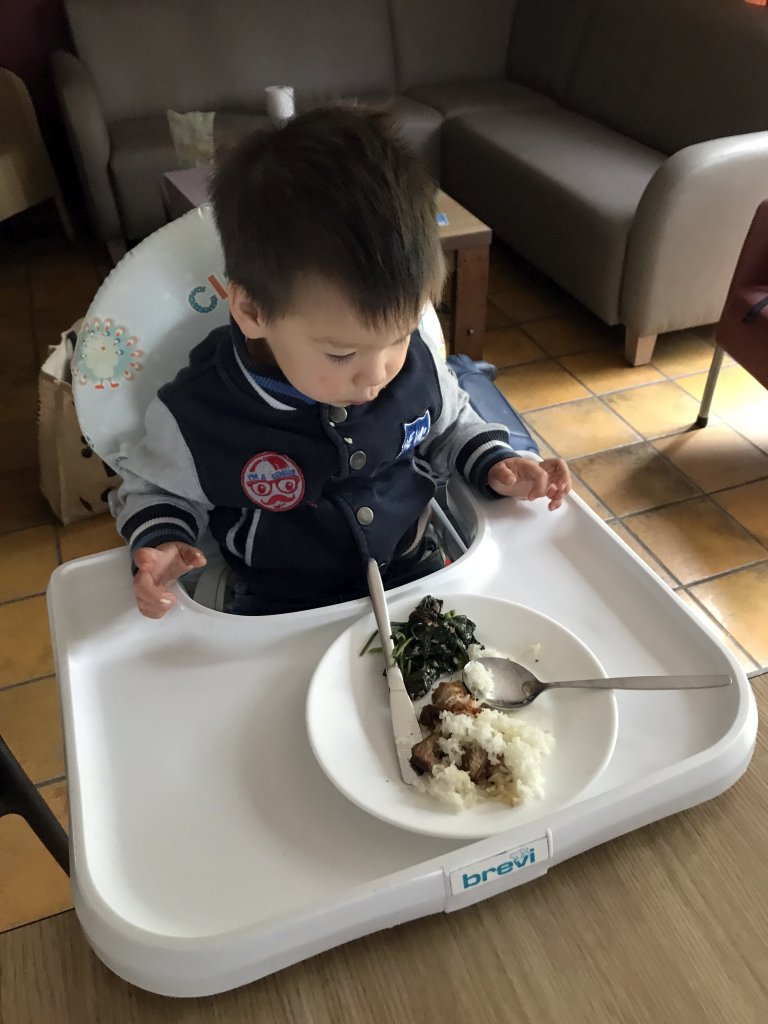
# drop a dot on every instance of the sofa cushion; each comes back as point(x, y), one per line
point(454, 98)
point(447, 40)
point(418, 123)
point(545, 40)
point(559, 188)
point(420, 126)
point(148, 55)
point(670, 73)
point(141, 152)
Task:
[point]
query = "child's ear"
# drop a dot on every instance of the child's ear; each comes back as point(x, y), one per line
point(245, 313)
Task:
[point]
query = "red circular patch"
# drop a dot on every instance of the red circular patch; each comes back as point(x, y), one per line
point(273, 481)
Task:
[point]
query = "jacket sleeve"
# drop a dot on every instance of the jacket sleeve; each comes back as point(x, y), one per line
point(460, 440)
point(160, 498)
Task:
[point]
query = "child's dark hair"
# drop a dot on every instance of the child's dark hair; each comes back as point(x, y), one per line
point(334, 193)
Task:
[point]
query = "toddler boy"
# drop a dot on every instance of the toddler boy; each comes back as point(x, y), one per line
point(310, 433)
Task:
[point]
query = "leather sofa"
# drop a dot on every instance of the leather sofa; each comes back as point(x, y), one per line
point(621, 146)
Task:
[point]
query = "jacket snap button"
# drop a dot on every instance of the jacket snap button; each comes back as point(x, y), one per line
point(357, 460)
point(337, 414)
point(365, 516)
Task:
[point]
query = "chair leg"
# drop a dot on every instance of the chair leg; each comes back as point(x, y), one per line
point(638, 348)
point(18, 795)
point(709, 387)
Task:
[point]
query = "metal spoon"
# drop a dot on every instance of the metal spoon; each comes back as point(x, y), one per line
point(517, 686)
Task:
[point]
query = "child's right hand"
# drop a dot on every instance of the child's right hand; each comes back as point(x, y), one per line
point(158, 568)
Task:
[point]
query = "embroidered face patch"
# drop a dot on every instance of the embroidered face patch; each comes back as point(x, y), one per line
point(415, 432)
point(273, 481)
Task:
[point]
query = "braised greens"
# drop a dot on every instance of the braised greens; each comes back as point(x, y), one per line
point(430, 644)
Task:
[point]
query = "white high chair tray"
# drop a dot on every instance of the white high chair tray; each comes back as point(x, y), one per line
point(208, 847)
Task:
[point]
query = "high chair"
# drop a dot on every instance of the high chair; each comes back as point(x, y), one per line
point(208, 847)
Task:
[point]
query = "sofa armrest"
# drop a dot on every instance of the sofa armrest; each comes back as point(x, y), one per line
point(688, 231)
point(89, 139)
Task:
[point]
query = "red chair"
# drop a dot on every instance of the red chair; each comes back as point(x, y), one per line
point(743, 328)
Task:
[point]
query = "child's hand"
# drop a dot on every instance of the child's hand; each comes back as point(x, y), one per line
point(524, 478)
point(158, 568)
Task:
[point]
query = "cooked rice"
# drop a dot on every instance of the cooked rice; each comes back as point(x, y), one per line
point(479, 679)
point(516, 747)
point(451, 786)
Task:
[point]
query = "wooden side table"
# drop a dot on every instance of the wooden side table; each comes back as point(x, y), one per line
point(467, 239)
point(464, 238)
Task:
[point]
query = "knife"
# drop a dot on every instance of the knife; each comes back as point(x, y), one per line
point(405, 724)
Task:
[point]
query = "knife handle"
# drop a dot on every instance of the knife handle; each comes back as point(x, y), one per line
point(379, 602)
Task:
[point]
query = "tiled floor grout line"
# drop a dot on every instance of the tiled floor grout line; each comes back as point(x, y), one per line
point(697, 497)
point(26, 682)
point(50, 782)
point(21, 529)
point(677, 582)
point(734, 520)
point(581, 486)
point(37, 920)
point(539, 440)
point(735, 487)
point(725, 572)
point(23, 597)
point(57, 545)
point(710, 617)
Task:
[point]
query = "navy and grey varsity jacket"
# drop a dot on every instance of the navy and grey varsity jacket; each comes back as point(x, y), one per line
point(299, 495)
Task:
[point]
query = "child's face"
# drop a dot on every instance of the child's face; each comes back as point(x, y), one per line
point(323, 348)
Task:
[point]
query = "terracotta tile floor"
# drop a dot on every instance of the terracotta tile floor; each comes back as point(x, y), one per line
point(693, 505)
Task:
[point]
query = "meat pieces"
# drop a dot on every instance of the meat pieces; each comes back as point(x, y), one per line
point(451, 696)
point(456, 698)
point(426, 754)
point(476, 763)
point(430, 716)
point(447, 691)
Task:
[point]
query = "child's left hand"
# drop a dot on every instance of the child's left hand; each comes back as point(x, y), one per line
point(524, 478)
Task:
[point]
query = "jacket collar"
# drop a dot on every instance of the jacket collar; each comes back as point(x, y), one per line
point(264, 382)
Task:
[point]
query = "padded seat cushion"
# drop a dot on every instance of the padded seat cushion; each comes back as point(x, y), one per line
point(560, 189)
point(455, 98)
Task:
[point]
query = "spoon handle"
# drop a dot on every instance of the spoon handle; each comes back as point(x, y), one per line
point(644, 683)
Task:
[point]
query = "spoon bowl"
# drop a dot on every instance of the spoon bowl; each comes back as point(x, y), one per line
point(514, 686)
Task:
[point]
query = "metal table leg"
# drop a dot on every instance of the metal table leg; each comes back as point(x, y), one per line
point(709, 389)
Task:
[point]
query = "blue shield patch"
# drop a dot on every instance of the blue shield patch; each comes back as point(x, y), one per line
point(415, 432)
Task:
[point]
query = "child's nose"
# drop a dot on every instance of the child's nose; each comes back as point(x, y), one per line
point(373, 374)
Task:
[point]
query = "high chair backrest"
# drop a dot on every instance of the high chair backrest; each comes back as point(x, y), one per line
point(162, 299)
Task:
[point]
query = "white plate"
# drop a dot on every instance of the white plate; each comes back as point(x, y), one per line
point(350, 729)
